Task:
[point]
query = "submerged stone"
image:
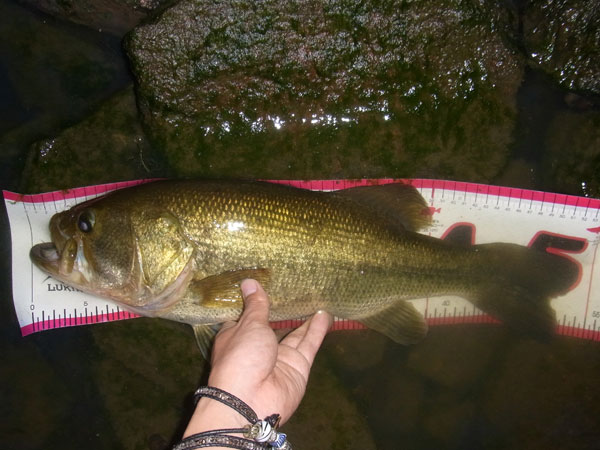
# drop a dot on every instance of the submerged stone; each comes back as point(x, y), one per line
point(335, 89)
point(449, 422)
point(356, 350)
point(30, 389)
point(572, 163)
point(543, 396)
point(328, 416)
point(456, 357)
point(50, 69)
point(115, 16)
point(105, 147)
point(562, 37)
point(146, 374)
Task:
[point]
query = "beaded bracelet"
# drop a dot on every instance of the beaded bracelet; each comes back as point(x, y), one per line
point(258, 435)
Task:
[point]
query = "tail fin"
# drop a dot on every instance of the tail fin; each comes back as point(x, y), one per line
point(522, 283)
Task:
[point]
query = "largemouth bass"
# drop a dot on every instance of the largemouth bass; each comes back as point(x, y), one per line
point(180, 249)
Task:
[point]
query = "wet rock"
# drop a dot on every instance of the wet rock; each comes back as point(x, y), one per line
point(562, 37)
point(77, 67)
point(107, 146)
point(393, 401)
point(342, 89)
point(114, 16)
point(455, 357)
point(450, 421)
point(572, 162)
point(146, 374)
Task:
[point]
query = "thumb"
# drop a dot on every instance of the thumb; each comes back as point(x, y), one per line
point(256, 302)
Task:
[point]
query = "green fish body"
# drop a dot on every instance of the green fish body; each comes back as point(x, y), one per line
point(180, 249)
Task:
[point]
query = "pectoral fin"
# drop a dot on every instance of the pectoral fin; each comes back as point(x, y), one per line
point(401, 322)
point(205, 335)
point(223, 290)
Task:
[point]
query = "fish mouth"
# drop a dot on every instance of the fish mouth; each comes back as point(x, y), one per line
point(45, 256)
point(67, 264)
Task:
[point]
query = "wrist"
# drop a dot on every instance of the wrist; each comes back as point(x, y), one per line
point(237, 386)
point(213, 415)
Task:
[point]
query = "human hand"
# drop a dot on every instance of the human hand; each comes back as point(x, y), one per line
point(248, 362)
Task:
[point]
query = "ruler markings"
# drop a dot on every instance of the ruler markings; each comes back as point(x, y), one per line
point(589, 290)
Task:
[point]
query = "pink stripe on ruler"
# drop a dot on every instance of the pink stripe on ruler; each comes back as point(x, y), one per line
point(484, 189)
point(341, 324)
point(48, 197)
point(64, 322)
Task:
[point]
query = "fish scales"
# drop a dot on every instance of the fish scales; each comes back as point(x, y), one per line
point(330, 251)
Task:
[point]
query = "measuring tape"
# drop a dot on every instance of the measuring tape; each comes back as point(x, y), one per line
point(561, 224)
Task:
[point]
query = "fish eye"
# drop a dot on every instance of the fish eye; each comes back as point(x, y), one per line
point(85, 222)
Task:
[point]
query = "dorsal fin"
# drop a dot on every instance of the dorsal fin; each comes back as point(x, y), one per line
point(399, 203)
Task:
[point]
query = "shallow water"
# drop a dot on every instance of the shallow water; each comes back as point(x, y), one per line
point(128, 384)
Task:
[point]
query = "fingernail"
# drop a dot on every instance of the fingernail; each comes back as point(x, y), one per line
point(249, 287)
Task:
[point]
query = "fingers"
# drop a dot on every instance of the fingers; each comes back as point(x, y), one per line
point(227, 325)
point(256, 302)
point(308, 338)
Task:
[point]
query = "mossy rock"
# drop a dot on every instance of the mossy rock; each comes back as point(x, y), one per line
point(107, 146)
point(303, 89)
point(562, 37)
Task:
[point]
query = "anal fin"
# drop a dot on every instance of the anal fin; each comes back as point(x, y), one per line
point(401, 322)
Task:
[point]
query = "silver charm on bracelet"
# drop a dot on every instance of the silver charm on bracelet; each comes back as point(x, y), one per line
point(264, 432)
